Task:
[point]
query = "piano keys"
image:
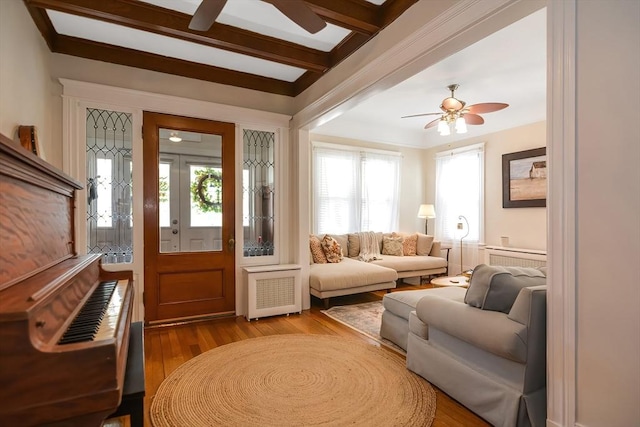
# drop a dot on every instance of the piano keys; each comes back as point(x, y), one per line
point(91, 324)
point(47, 378)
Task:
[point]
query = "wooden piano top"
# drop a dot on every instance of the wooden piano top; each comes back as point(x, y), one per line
point(19, 300)
point(36, 214)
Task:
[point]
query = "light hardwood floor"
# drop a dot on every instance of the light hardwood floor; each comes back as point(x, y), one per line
point(167, 347)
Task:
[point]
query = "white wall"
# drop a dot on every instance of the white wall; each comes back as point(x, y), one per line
point(411, 182)
point(27, 94)
point(525, 227)
point(608, 213)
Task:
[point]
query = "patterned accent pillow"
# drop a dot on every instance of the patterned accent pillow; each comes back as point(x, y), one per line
point(332, 249)
point(392, 246)
point(317, 253)
point(409, 244)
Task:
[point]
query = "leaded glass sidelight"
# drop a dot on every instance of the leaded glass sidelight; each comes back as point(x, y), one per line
point(109, 185)
point(258, 192)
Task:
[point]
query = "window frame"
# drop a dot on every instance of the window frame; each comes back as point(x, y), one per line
point(480, 149)
point(358, 192)
point(280, 186)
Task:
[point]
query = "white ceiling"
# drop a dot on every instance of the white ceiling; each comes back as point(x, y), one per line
point(263, 18)
point(508, 66)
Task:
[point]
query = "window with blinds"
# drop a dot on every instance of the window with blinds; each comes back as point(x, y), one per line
point(354, 189)
point(459, 191)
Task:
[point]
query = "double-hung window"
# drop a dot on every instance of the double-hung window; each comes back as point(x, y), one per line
point(459, 192)
point(354, 189)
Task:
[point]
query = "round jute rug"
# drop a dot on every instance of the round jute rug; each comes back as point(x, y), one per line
point(301, 380)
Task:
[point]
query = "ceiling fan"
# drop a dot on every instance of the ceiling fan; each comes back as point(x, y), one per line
point(456, 111)
point(297, 11)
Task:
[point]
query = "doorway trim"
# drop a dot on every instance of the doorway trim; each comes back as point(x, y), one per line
point(77, 95)
point(464, 23)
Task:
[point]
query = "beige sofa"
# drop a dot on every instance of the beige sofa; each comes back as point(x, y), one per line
point(351, 276)
point(485, 346)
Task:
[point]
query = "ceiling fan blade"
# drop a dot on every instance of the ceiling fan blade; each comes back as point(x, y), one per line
point(301, 14)
point(473, 119)
point(206, 14)
point(487, 107)
point(432, 124)
point(420, 115)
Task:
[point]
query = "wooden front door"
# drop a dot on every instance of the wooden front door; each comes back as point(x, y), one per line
point(189, 217)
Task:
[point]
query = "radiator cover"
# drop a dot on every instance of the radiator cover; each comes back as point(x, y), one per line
point(273, 290)
point(514, 257)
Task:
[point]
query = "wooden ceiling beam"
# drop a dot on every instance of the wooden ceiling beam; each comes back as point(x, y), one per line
point(364, 19)
point(355, 15)
point(147, 17)
point(148, 61)
point(392, 9)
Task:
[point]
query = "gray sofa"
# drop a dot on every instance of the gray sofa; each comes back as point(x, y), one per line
point(351, 276)
point(485, 346)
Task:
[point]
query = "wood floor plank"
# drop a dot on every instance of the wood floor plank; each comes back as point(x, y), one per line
point(167, 347)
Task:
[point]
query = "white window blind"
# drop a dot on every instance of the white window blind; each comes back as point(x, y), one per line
point(459, 191)
point(354, 189)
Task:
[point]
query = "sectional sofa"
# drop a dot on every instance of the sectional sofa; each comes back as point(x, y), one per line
point(351, 276)
point(484, 346)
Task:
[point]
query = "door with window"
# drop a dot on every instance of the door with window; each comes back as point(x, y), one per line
point(189, 220)
point(189, 212)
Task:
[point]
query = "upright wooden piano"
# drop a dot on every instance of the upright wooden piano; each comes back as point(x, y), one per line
point(64, 321)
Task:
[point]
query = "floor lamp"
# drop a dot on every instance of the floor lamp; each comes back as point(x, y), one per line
point(427, 212)
point(461, 227)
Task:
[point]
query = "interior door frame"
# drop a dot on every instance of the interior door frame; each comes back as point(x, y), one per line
point(152, 122)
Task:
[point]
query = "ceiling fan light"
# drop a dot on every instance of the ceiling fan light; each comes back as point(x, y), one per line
point(461, 125)
point(443, 128)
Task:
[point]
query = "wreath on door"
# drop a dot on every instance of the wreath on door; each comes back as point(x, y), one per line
point(206, 190)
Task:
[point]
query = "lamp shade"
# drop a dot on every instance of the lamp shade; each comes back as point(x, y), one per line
point(461, 125)
point(426, 211)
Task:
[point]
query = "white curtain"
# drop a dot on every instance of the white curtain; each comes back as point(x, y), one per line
point(459, 192)
point(354, 189)
point(380, 188)
point(335, 190)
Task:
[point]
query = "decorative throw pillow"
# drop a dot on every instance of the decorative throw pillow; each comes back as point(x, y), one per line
point(409, 243)
point(332, 249)
point(425, 242)
point(316, 250)
point(392, 246)
point(354, 245)
point(496, 288)
point(343, 241)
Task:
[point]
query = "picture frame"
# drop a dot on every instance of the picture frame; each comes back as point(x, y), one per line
point(524, 179)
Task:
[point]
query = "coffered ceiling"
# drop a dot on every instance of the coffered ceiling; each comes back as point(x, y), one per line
point(251, 44)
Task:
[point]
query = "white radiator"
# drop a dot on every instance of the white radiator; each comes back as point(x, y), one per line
point(514, 257)
point(273, 290)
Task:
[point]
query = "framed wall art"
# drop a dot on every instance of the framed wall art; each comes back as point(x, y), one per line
point(524, 179)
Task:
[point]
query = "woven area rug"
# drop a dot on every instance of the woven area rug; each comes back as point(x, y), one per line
point(287, 380)
point(364, 318)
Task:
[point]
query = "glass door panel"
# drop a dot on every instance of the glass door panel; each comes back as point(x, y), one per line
point(190, 192)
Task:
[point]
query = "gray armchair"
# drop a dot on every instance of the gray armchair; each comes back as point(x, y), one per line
point(493, 362)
